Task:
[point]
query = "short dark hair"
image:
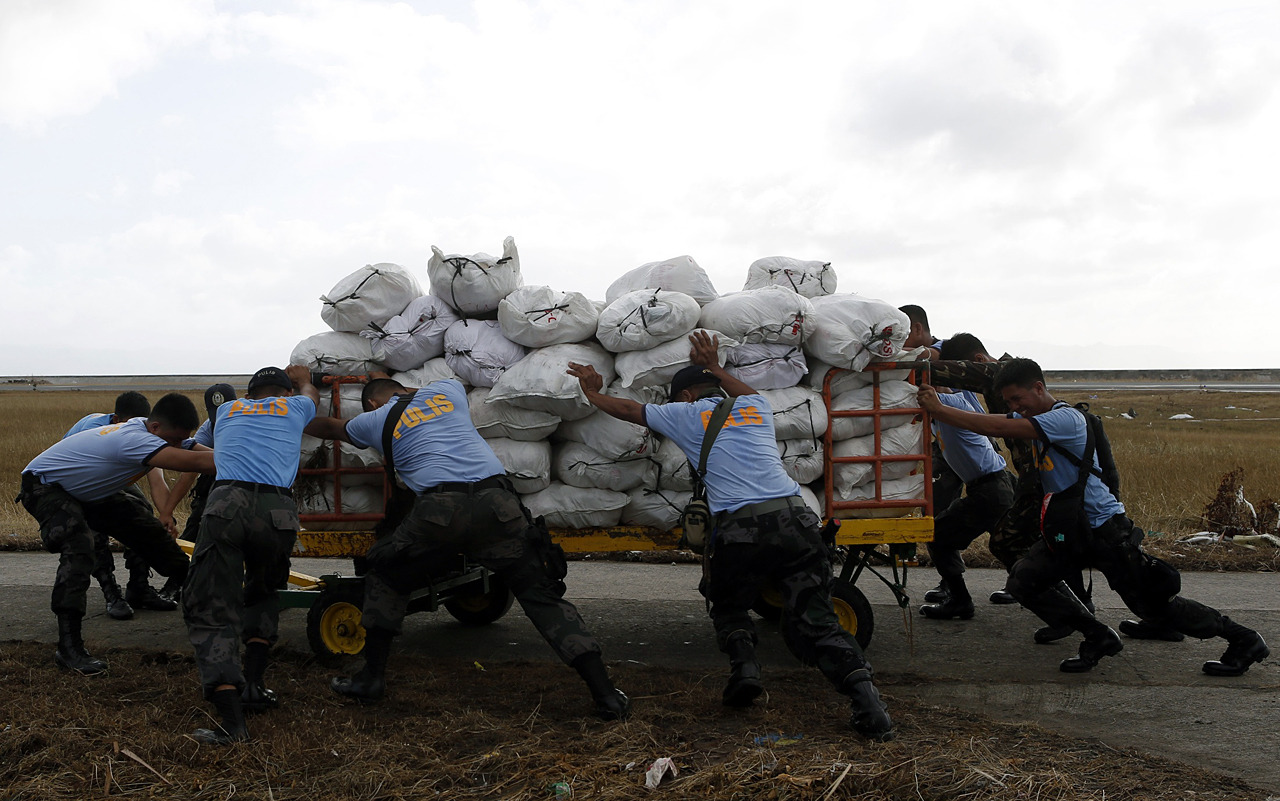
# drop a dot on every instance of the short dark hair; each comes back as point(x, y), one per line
point(176, 411)
point(130, 405)
point(961, 348)
point(915, 314)
point(1017, 373)
point(378, 386)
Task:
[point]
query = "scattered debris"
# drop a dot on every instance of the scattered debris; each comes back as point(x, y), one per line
point(1230, 513)
point(1183, 416)
point(660, 767)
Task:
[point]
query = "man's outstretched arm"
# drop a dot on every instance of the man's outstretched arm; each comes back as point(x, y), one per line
point(592, 384)
point(991, 425)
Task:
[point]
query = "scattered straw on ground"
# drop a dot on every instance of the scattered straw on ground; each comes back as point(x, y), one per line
point(521, 731)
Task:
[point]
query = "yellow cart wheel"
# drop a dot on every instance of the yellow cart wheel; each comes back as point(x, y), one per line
point(853, 611)
point(333, 622)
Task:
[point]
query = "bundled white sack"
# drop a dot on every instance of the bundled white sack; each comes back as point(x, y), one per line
point(808, 278)
point(504, 419)
point(637, 393)
point(537, 316)
point(852, 330)
point(898, 441)
point(802, 459)
point(539, 381)
point(674, 470)
point(373, 294)
point(437, 369)
point(846, 380)
point(656, 366)
point(660, 509)
point(528, 464)
point(335, 353)
point(644, 318)
point(898, 489)
point(564, 506)
point(813, 501)
point(609, 436)
point(893, 395)
point(578, 465)
point(681, 274)
point(766, 366)
point(772, 314)
point(798, 413)
point(413, 336)
point(356, 499)
point(474, 284)
point(478, 352)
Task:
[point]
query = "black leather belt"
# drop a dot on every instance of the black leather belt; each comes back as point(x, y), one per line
point(469, 487)
point(255, 487)
point(977, 482)
point(764, 508)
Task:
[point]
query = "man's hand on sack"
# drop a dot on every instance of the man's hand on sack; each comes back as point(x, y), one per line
point(705, 350)
point(588, 378)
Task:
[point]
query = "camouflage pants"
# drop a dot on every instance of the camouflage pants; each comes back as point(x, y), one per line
point(488, 526)
point(238, 567)
point(784, 547)
point(982, 507)
point(1019, 529)
point(105, 569)
point(68, 526)
point(199, 497)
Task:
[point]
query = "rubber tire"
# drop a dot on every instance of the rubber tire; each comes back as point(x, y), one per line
point(333, 622)
point(481, 609)
point(854, 611)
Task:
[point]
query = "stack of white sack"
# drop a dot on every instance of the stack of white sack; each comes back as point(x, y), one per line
point(802, 459)
point(474, 285)
point(539, 380)
point(763, 366)
point(538, 316)
point(893, 395)
point(528, 464)
point(681, 274)
point(899, 441)
point(564, 506)
point(434, 370)
point(505, 420)
point(642, 319)
point(478, 352)
point(798, 413)
point(655, 367)
point(579, 465)
point(808, 278)
point(656, 508)
point(852, 330)
point(897, 489)
point(845, 380)
point(361, 493)
point(373, 294)
point(771, 315)
point(412, 337)
point(335, 353)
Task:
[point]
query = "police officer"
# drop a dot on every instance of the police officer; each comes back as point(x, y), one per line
point(1093, 532)
point(464, 504)
point(763, 532)
point(247, 533)
point(78, 486)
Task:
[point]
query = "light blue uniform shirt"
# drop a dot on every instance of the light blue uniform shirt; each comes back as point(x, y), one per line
point(87, 422)
point(970, 455)
point(1066, 427)
point(434, 442)
point(744, 466)
point(261, 440)
point(98, 462)
point(204, 434)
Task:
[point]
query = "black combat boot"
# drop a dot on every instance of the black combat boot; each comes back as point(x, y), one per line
point(71, 653)
point(744, 678)
point(1146, 630)
point(938, 594)
point(255, 697)
point(370, 684)
point(172, 590)
point(611, 703)
point(141, 595)
point(1245, 646)
point(232, 730)
point(117, 607)
point(1097, 643)
point(958, 603)
point(869, 716)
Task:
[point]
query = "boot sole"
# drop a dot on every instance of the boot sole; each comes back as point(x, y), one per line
point(1221, 669)
point(742, 694)
point(1082, 666)
point(62, 663)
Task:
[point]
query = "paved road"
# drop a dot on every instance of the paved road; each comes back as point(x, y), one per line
point(1152, 696)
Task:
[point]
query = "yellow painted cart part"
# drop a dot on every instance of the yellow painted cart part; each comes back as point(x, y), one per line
point(299, 580)
point(885, 531)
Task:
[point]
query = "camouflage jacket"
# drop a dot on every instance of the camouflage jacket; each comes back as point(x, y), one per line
point(979, 377)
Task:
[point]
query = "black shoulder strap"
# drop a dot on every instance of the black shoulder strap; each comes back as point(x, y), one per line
point(389, 427)
point(708, 439)
point(1083, 464)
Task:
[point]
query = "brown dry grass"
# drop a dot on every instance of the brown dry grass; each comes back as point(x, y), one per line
point(515, 730)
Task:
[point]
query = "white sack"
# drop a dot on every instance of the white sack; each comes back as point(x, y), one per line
point(435, 370)
point(528, 464)
point(813, 501)
point(898, 441)
point(808, 278)
point(771, 314)
point(681, 274)
point(356, 499)
point(578, 465)
point(537, 316)
point(852, 330)
point(893, 395)
point(373, 294)
point(762, 366)
point(899, 489)
point(474, 284)
point(503, 419)
point(660, 509)
point(647, 317)
point(674, 470)
point(413, 336)
point(656, 394)
point(478, 352)
point(609, 436)
point(798, 413)
point(334, 353)
point(803, 463)
point(656, 366)
point(564, 506)
point(539, 381)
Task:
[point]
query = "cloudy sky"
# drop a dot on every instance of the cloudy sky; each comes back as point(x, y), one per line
point(1093, 184)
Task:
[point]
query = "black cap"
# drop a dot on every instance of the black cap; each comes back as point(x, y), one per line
point(217, 395)
point(690, 376)
point(270, 377)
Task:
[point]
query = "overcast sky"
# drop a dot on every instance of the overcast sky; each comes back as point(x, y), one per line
point(1090, 184)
